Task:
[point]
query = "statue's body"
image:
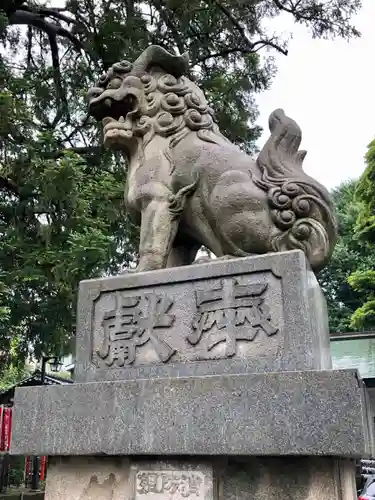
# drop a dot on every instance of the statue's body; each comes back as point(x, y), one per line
point(189, 186)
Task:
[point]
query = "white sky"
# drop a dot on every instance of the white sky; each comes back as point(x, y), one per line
point(328, 88)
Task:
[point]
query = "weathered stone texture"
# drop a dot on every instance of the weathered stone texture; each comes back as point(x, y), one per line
point(285, 413)
point(105, 478)
point(189, 186)
point(254, 314)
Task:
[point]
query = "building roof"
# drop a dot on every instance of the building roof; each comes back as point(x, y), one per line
point(6, 396)
point(336, 336)
point(69, 367)
point(356, 352)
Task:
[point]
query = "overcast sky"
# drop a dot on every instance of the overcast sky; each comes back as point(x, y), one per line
point(328, 88)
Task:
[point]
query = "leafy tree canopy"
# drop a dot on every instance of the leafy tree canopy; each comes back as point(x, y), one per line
point(363, 279)
point(350, 255)
point(12, 375)
point(61, 210)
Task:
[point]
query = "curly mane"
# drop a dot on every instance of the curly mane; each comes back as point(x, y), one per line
point(297, 201)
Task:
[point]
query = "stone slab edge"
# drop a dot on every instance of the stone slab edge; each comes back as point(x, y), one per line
point(285, 413)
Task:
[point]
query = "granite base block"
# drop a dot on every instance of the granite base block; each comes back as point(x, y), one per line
point(108, 478)
point(244, 315)
point(284, 413)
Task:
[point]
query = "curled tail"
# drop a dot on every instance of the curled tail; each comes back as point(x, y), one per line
point(301, 208)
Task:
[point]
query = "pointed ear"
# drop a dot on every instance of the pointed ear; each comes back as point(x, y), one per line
point(301, 156)
point(157, 56)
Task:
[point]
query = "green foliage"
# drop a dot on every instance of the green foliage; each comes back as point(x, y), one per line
point(61, 211)
point(16, 471)
point(365, 228)
point(362, 280)
point(65, 375)
point(364, 316)
point(350, 255)
point(12, 375)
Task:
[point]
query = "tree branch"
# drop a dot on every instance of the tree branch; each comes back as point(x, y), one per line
point(85, 150)
point(9, 185)
point(24, 16)
point(62, 105)
point(34, 19)
point(248, 50)
point(280, 6)
point(76, 129)
point(222, 53)
point(303, 14)
point(234, 21)
point(54, 13)
point(29, 46)
point(80, 150)
point(269, 43)
point(129, 9)
point(169, 22)
point(10, 6)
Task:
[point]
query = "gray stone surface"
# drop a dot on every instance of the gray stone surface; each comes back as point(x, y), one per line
point(286, 413)
point(105, 478)
point(164, 323)
point(188, 186)
point(123, 478)
point(288, 478)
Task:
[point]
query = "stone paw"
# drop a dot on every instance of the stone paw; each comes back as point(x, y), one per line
point(203, 260)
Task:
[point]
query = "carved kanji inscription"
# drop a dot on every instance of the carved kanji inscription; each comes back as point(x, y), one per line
point(133, 322)
point(229, 317)
point(222, 310)
point(162, 484)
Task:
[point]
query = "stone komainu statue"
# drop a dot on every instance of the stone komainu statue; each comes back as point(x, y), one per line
point(188, 186)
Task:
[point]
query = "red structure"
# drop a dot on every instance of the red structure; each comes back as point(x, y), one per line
point(5, 427)
point(35, 467)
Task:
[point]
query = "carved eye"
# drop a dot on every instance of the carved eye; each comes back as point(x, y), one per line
point(114, 84)
point(103, 79)
point(94, 92)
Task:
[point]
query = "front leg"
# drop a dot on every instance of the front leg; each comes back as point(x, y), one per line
point(158, 229)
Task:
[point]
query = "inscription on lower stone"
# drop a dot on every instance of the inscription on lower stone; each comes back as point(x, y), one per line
point(176, 484)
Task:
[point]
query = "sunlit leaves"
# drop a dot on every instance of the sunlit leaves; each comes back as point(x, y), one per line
point(362, 280)
point(351, 255)
point(62, 216)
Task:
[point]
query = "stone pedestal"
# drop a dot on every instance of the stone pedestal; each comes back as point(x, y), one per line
point(212, 381)
point(251, 478)
point(259, 314)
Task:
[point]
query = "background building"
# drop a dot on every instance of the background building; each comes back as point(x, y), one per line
point(356, 350)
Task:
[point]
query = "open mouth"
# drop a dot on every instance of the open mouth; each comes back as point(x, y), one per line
point(118, 117)
point(110, 107)
point(120, 109)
